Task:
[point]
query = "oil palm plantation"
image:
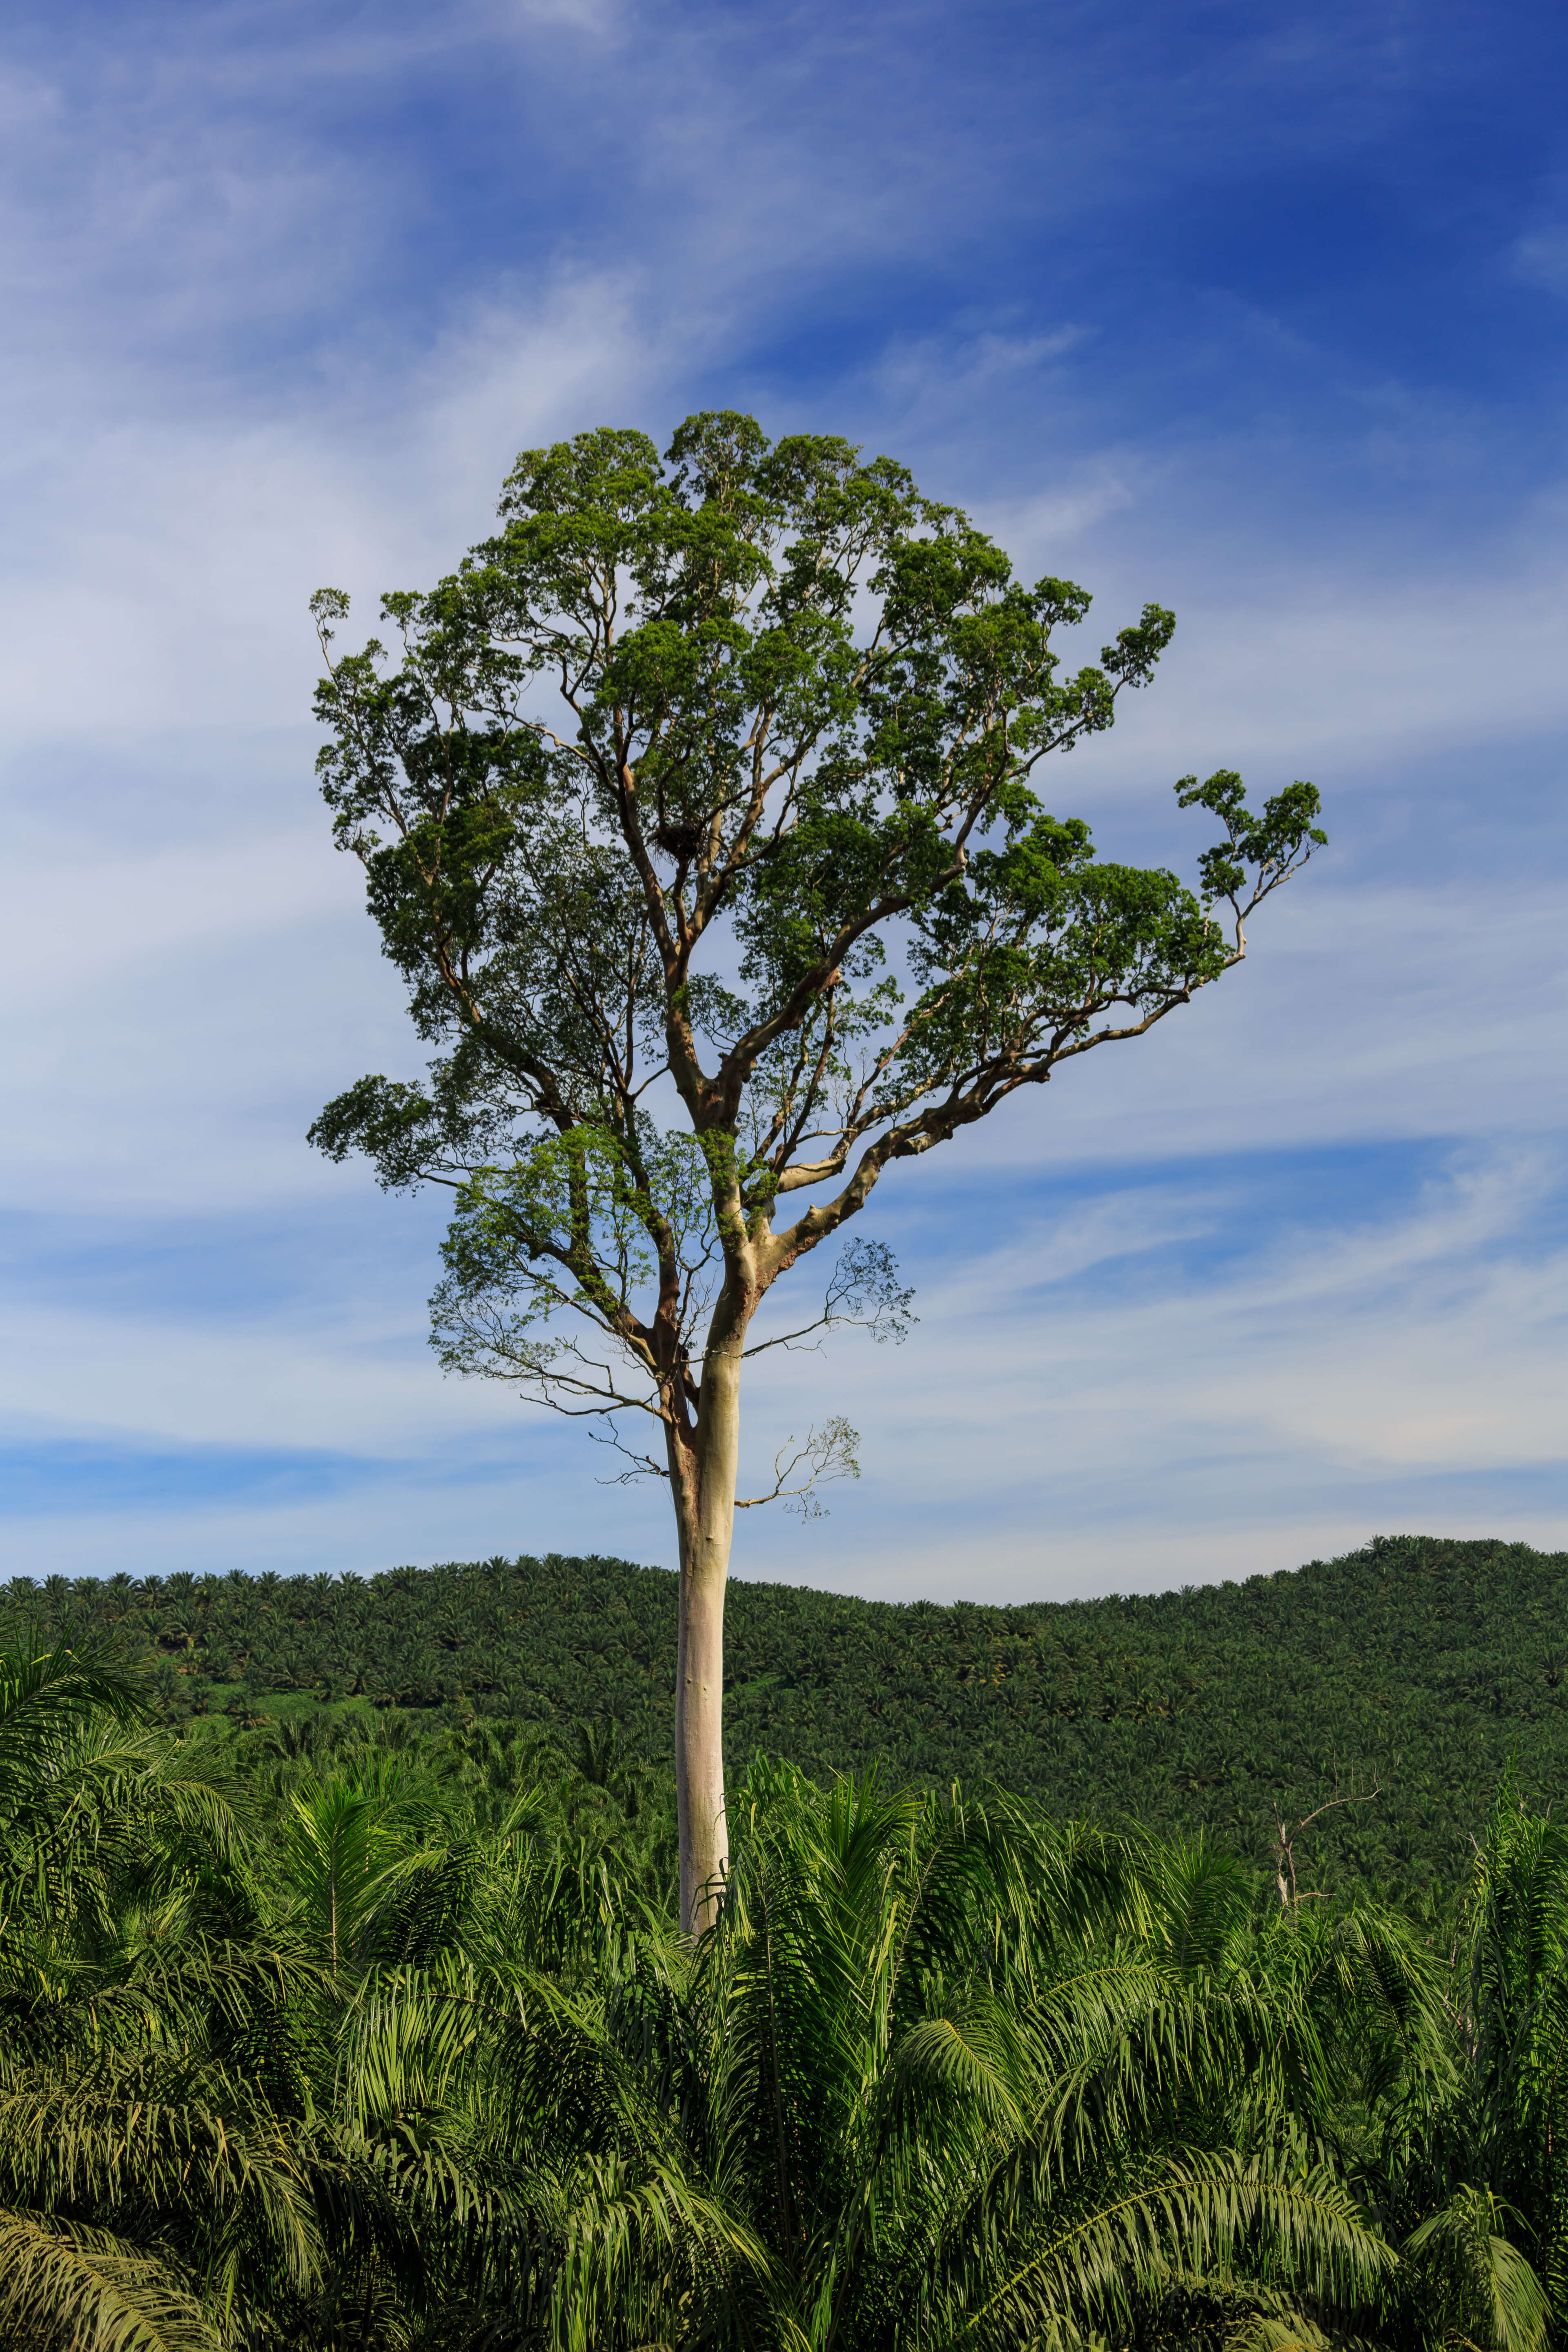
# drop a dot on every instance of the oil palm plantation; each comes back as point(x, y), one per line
point(259, 2084)
point(140, 2175)
point(376, 2048)
point(961, 2078)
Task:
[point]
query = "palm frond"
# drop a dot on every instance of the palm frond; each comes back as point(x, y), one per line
point(1087, 2262)
point(82, 2290)
point(1468, 2267)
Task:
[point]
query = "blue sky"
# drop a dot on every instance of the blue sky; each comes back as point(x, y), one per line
point(1258, 312)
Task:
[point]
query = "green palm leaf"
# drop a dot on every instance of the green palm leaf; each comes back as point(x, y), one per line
point(63, 2284)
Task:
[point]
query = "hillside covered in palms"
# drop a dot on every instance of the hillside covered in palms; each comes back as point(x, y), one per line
point(1417, 1667)
point(366, 2031)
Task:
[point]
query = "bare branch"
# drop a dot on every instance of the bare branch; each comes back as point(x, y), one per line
point(862, 1290)
point(643, 1465)
point(823, 1453)
point(1285, 1843)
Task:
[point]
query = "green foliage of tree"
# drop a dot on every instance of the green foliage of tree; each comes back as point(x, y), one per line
point(697, 810)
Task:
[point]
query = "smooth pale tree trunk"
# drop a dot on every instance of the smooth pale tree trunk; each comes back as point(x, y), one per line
point(705, 1512)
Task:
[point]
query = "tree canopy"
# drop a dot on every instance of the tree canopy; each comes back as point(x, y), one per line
point(698, 811)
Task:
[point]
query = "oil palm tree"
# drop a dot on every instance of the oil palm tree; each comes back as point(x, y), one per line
point(953, 2077)
point(137, 2178)
point(1477, 2180)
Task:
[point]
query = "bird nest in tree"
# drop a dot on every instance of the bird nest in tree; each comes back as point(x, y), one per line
point(678, 840)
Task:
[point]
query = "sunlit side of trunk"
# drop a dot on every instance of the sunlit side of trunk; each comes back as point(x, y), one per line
point(704, 1489)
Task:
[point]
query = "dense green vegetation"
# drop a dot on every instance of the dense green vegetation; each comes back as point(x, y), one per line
point(368, 2030)
point(1417, 1666)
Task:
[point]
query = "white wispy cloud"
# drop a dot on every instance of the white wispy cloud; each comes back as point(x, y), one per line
point(1099, 1398)
point(1036, 1436)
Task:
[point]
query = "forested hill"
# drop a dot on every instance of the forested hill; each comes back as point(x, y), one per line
point(1418, 1665)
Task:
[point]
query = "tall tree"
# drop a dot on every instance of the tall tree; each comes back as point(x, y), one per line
point(696, 812)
